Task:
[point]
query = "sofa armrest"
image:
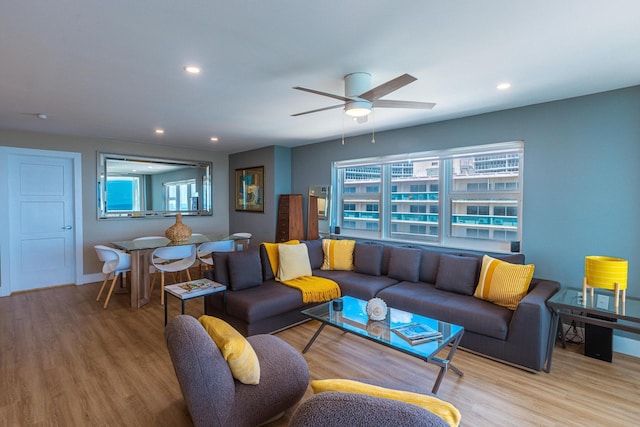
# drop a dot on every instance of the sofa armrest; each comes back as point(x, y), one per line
point(533, 307)
point(529, 327)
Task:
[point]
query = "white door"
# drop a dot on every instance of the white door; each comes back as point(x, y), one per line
point(41, 218)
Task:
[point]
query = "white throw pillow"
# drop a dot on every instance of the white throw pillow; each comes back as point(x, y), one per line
point(294, 262)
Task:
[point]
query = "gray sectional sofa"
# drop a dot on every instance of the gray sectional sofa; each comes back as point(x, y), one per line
point(438, 284)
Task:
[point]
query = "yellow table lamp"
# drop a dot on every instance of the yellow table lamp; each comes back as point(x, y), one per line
point(605, 273)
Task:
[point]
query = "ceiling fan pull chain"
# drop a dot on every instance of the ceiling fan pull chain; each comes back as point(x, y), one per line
point(373, 126)
point(342, 129)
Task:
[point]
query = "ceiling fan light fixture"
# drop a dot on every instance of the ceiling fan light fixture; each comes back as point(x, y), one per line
point(358, 108)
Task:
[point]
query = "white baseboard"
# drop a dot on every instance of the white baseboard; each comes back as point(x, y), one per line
point(91, 278)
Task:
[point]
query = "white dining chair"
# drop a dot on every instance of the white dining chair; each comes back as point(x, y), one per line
point(242, 236)
point(205, 250)
point(116, 262)
point(152, 269)
point(172, 259)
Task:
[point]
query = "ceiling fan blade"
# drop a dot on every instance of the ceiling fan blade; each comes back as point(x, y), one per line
point(319, 109)
point(317, 92)
point(387, 103)
point(388, 87)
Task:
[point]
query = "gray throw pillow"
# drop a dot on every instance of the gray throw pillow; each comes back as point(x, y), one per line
point(404, 264)
point(221, 267)
point(267, 271)
point(368, 259)
point(316, 254)
point(457, 274)
point(429, 266)
point(245, 269)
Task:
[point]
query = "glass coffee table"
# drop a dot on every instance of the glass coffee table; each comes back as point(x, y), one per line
point(353, 319)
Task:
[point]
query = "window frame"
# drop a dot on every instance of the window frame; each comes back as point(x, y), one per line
point(448, 230)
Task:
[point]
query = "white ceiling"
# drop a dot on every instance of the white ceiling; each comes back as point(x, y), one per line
point(113, 69)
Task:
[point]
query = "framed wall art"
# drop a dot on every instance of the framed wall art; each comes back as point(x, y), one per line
point(250, 189)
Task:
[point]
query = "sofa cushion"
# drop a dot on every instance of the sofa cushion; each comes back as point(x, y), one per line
point(338, 254)
point(245, 269)
point(457, 274)
point(316, 256)
point(236, 350)
point(444, 410)
point(503, 283)
point(269, 299)
point(404, 264)
point(474, 314)
point(368, 259)
point(294, 262)
point(359, 285)
point(429, 266)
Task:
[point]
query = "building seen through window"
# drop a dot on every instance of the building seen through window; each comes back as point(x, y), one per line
point(439, 197)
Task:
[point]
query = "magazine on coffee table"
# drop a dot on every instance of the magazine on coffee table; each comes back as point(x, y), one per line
point(417, 333)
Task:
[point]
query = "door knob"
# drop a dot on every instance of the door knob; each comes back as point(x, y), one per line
point(68, 227)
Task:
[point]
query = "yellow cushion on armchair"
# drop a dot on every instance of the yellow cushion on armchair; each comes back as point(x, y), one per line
point(236, 350)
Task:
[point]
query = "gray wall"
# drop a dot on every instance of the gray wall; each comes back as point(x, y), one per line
point(277, 180)
point(581, 174)
point(105, 231)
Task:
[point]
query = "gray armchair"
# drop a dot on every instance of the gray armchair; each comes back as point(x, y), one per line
point(349, 409)
point(213, 397)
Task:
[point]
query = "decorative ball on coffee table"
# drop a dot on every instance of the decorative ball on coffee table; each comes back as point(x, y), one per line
point(376, 309)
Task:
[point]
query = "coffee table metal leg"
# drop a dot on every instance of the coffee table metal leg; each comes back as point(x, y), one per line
point(313, 338)
point(445, 364)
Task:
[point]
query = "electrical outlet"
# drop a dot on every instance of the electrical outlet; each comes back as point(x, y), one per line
point(602, 302)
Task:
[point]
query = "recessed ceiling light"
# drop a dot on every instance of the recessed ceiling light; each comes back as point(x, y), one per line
point(214, 139)
point(503, 86)
point(159, 131)
point(192, 69)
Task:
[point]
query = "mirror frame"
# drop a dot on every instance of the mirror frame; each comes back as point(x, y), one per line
point(322, 192)
point(204, 208)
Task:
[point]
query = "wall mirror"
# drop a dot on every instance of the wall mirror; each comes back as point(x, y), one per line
point(146, 187)
point(323, 193)
point(320, 202)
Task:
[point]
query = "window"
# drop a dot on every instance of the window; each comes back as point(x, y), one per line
point(467, 197)
point(123, 193)
point(178, 194)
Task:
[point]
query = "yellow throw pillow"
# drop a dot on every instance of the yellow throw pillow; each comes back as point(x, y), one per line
point(272, 253)
point(236, 350)
point(444, 410)
point(294, 262)
point(503, 283)
point(338, 254)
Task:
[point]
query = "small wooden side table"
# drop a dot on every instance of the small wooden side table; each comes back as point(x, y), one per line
point(192, 289)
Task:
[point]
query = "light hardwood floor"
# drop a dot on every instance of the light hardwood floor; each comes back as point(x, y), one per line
point(64, 361)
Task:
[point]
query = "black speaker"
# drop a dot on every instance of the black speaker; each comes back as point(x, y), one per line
point(336, 230)
point(515, 246)
point(598, 340)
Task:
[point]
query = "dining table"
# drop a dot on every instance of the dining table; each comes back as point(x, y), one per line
point(141, 250)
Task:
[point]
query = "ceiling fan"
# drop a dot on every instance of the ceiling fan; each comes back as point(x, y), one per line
point(360, 98)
